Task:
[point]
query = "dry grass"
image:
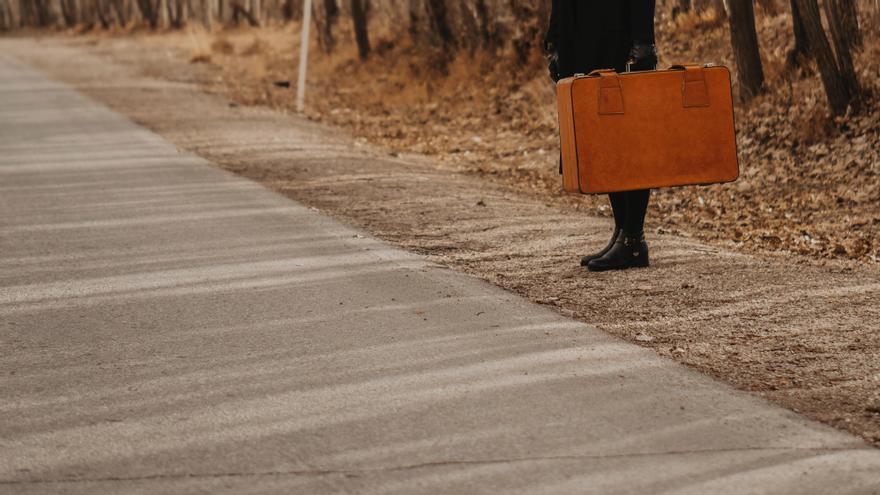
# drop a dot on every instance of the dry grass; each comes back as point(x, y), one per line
point(694, 21)
point(222, 46)
point(200, 58)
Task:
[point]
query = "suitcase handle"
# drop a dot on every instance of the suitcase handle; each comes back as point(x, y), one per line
point(610, 92)
point(694, 91)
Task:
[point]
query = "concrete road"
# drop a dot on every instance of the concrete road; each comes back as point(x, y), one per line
point(168, 327)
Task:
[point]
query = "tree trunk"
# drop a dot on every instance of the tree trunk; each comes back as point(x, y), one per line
point(331, 14)
point(239, 11)
point(173, 20)
point(413, 10)
point(68, 12)
point(119, 8)
point(149, 11)
point(45, 16)
point(162, 13)
point(101, 11)
point(439, 19)
point(331, 11)
point(207, 7)
point(744, 38)
point(89, 17)
point(849, 20)
point(361, 35)
point(801, 50)
point(153, 19)
point(842, 38)
point(470, 33)
point(529, 25)
point(6, 22)
point(836, 88)
point(180, 13)
point(257, 11)
point(23, 13)
point(483, 22)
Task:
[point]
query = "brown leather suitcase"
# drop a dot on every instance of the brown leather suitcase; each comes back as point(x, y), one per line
point(644, 130)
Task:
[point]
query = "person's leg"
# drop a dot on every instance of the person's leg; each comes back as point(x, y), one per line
point(618, 208)
point(636, 207)
point(630, 249)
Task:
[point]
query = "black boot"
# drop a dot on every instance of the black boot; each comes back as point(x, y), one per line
point(627, 252)
point(590, 257)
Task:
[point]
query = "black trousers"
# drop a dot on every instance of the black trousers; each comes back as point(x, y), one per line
point(598, 34)
point(629, 210)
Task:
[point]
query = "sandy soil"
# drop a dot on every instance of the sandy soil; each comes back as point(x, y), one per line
point(801, 333)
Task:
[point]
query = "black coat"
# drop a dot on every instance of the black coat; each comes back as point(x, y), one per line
point(597, 34)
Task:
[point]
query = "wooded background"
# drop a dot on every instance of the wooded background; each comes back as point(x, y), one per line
point(827, 31)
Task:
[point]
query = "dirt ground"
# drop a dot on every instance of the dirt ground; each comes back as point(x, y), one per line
point(799, 331)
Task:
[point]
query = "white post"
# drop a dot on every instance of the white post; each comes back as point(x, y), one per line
point(303, 56)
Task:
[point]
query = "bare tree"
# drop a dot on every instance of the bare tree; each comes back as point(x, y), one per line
point(238, 11)
point(482, 11)
point(801, 51)
point(361, 35)
point(439, 19)
point(119, 8)
point(530, 20)
point(838, 88)
point(37, 13)
point(470, 31)
point(326, 19)
point(7, 20)
point(414, 8)
point(256, 10)
point(164, 16)
point(744, 38)
point(842, 37)
point(178, 12)
point(848, 18)
point(102, 11)
point(149, 11)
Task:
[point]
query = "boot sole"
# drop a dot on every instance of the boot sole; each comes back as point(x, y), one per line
point(639, 264)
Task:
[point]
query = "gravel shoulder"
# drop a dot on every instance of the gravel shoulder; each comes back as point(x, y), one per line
point(799, 333)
